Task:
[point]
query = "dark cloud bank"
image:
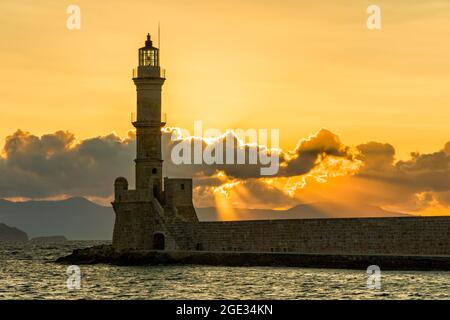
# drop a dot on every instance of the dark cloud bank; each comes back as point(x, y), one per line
point(55, 164)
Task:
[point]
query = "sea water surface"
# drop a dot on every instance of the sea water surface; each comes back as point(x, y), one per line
point(28, 271)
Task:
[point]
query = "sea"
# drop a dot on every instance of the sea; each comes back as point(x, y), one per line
point(28, 271)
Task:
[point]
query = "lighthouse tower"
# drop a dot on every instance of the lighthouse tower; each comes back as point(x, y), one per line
point(149, 79)
point(143, 214)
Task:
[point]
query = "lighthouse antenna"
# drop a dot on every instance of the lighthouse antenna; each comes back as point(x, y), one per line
point(159, 35)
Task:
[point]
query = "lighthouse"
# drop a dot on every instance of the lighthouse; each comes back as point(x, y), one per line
point(159, 214)
point(149, 79)
point(143, 213)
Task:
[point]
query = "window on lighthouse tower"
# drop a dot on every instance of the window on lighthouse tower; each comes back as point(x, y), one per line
point(149, 55)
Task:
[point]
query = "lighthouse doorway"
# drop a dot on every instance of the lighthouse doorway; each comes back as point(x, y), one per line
point(159, 241)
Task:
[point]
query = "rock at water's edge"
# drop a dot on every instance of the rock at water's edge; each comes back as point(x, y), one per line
point(50, 239)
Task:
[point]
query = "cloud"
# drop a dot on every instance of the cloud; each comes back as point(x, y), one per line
point(250, 193)
point(418, 183)
point(422, 172)
point(309, 151)
point(172, 141)
point(430, 172)
point(58, 164)
point(55, 164)
point(306, 156)
point(376, 155)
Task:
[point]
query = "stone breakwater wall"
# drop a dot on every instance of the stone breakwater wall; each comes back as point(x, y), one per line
point(378, 236)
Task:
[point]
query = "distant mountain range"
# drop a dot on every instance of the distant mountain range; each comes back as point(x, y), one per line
point(8, 233)
point(80, 219)
point(75, 218)
point(302, 211)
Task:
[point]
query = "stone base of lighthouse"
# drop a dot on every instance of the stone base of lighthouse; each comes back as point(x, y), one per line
point(142, 219)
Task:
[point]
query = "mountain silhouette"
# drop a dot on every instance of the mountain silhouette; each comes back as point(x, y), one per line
point(81, 219)
point(301, 211)
point(75, 218)
point(8, 233)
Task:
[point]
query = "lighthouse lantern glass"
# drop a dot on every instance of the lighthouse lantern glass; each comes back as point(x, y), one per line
point(149, 56)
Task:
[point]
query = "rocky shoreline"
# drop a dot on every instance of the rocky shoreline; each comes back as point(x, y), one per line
point(105, 254)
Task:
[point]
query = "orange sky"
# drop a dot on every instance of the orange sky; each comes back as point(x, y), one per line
point(292, 65)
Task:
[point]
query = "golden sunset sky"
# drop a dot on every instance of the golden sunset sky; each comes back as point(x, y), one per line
point(351, 104)
point(294, 65)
